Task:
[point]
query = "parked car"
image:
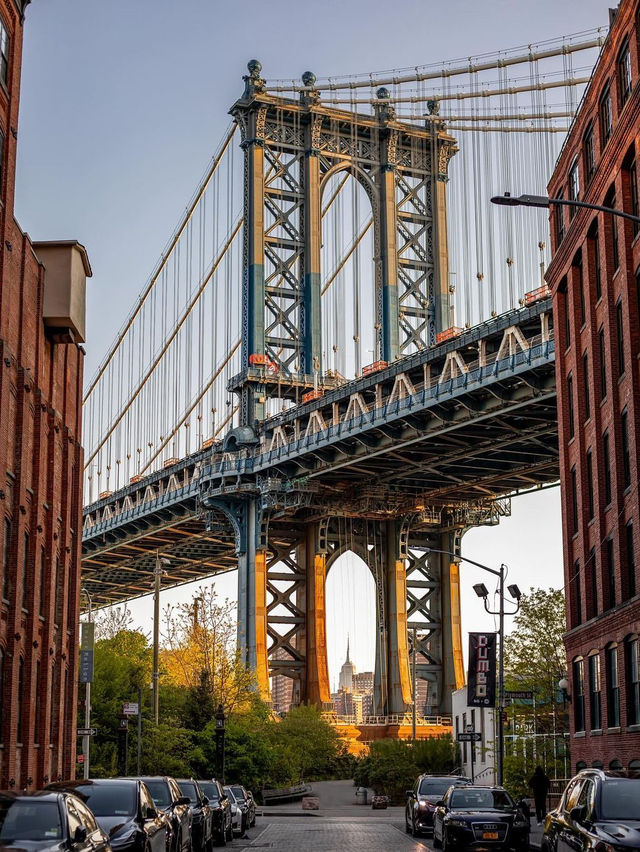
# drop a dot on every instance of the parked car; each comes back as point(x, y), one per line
point(245, 800)
point(124, 810)
point(220, 808)
point(598, 810)
point(479, 818)
point(49, 820)
point(421, 801)
point(201, 815)
point(238, 815)
point(167, 797)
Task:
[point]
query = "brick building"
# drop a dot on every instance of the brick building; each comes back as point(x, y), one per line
point(41, 327)
point(595, 281)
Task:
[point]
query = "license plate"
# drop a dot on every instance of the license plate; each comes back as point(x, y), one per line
point(489, 835)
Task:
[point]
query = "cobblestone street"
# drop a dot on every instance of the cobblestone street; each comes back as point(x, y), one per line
point(334, 835)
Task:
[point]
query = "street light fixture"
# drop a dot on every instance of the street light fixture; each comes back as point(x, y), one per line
point(86, 740)
point(481, 590)
point(514, 591)
point(508, 200)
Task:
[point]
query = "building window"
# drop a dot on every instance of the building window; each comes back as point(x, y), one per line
point(590, 483)
point(570, 404)
point(610, 201)
point(43, 563)
point(4, 53)
point(574, 500)
point(25, 569)
point(597, 276)
point(579, 284)
point(631, 561)
point(626, 458)
point(624, 73)
point(603, 365)
point(585, 386)
point(633, 194)
point(620, 333)
point(589, 151)
point(37, 707)
point(578, 693)
point(611, 577)
point(595, 693)
point(594, 581)
point(633, 682)
point(19, 697)
point(5, 558)
point(559, 219)
point(606, 116)
point(577, 586)
point(613, 688)
point(607, 468)
point(574, 186)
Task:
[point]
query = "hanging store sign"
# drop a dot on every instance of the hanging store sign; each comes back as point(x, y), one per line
point(87, 633)
point(481, 677)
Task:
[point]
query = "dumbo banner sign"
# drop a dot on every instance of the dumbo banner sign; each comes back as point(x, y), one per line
point(481, 679)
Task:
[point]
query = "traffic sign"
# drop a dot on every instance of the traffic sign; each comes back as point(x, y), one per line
point(130, 708)
point(469, 737)
point(524, 694)
point(86, 732)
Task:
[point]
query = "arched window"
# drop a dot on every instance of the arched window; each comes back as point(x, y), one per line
point(613, 686)
point(19, 698)
point(580, 765)
point(615, 764)
point(595, 691)
point(597, 764)
point(578, 694)
point(624, 72)
point(635, 763)
point(589, 150)
point(4, 53)
point(632, 665)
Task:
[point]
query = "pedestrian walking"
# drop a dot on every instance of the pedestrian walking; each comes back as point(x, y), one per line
point(539, 784)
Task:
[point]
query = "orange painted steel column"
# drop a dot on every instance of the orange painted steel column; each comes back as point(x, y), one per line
point(317, 675)
point(262, 661)
point(456, 625)
point(399, 681)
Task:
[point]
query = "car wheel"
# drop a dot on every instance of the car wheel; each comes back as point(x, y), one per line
point(436, 842)
point(407, 827)
point(415, 831)
point(229, 831)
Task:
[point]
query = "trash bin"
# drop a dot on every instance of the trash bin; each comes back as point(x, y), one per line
point(361, 796)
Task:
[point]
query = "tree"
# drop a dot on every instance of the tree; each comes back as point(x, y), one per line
point(113, 620)
point(200, 649)
point(310, 742)
point(535, 661)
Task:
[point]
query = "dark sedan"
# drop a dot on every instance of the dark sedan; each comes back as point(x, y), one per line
point(422, 800)
point(598, 810)
point(221, 810)
point(167, 796)
point(49, 820)
point(201, 815)
point(124, 810)
point(479, 818)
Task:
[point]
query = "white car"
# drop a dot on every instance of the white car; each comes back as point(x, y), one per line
point(237, 814)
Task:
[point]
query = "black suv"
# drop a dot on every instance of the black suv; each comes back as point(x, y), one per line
point(598, 810)
point(480, 818)
point(167, 796)
point(422, 800)
point(221, 810)
point(201, 815)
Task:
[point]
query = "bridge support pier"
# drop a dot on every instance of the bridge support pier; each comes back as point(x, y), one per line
point(252, 602)
point(316, 687)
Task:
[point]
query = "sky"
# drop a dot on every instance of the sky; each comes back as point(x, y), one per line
point(123, 105)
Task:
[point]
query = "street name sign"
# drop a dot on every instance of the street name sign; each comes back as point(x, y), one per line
point(86, 732)
point(524, 694)
point(469, 737)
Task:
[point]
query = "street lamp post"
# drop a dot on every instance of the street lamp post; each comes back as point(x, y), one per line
point(157, 575)
point(86, 740)
point(220, 744)
point(482, 592)
point(508, 200)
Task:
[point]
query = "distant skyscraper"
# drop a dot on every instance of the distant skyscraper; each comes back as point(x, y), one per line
point(347, 672)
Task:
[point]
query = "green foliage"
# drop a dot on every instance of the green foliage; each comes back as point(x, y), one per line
point(392, 766)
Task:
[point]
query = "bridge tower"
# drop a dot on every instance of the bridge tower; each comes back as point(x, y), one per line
point(292, 148)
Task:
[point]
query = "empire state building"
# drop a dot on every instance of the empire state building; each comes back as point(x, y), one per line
point(346, 673)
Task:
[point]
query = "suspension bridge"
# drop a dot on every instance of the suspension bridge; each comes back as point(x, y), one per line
point(340, 349)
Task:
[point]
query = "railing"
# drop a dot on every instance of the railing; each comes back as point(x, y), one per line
point(393, 719)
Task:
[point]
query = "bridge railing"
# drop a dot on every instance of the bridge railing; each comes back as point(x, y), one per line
point(393, 719)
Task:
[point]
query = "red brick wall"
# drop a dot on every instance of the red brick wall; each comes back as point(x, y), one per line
point(40, 465)
point(594, 620)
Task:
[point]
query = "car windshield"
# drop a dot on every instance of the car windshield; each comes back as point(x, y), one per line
point(210, 790)
point(620, 798)
point(229, 792)
point(436, 786)
point(109, 799)
point(159, 793)
point(238, 793)
point(29, 820)
point(189, 790)
point(470, 799)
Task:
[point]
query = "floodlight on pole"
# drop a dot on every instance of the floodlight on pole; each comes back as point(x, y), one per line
point(481, 590)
